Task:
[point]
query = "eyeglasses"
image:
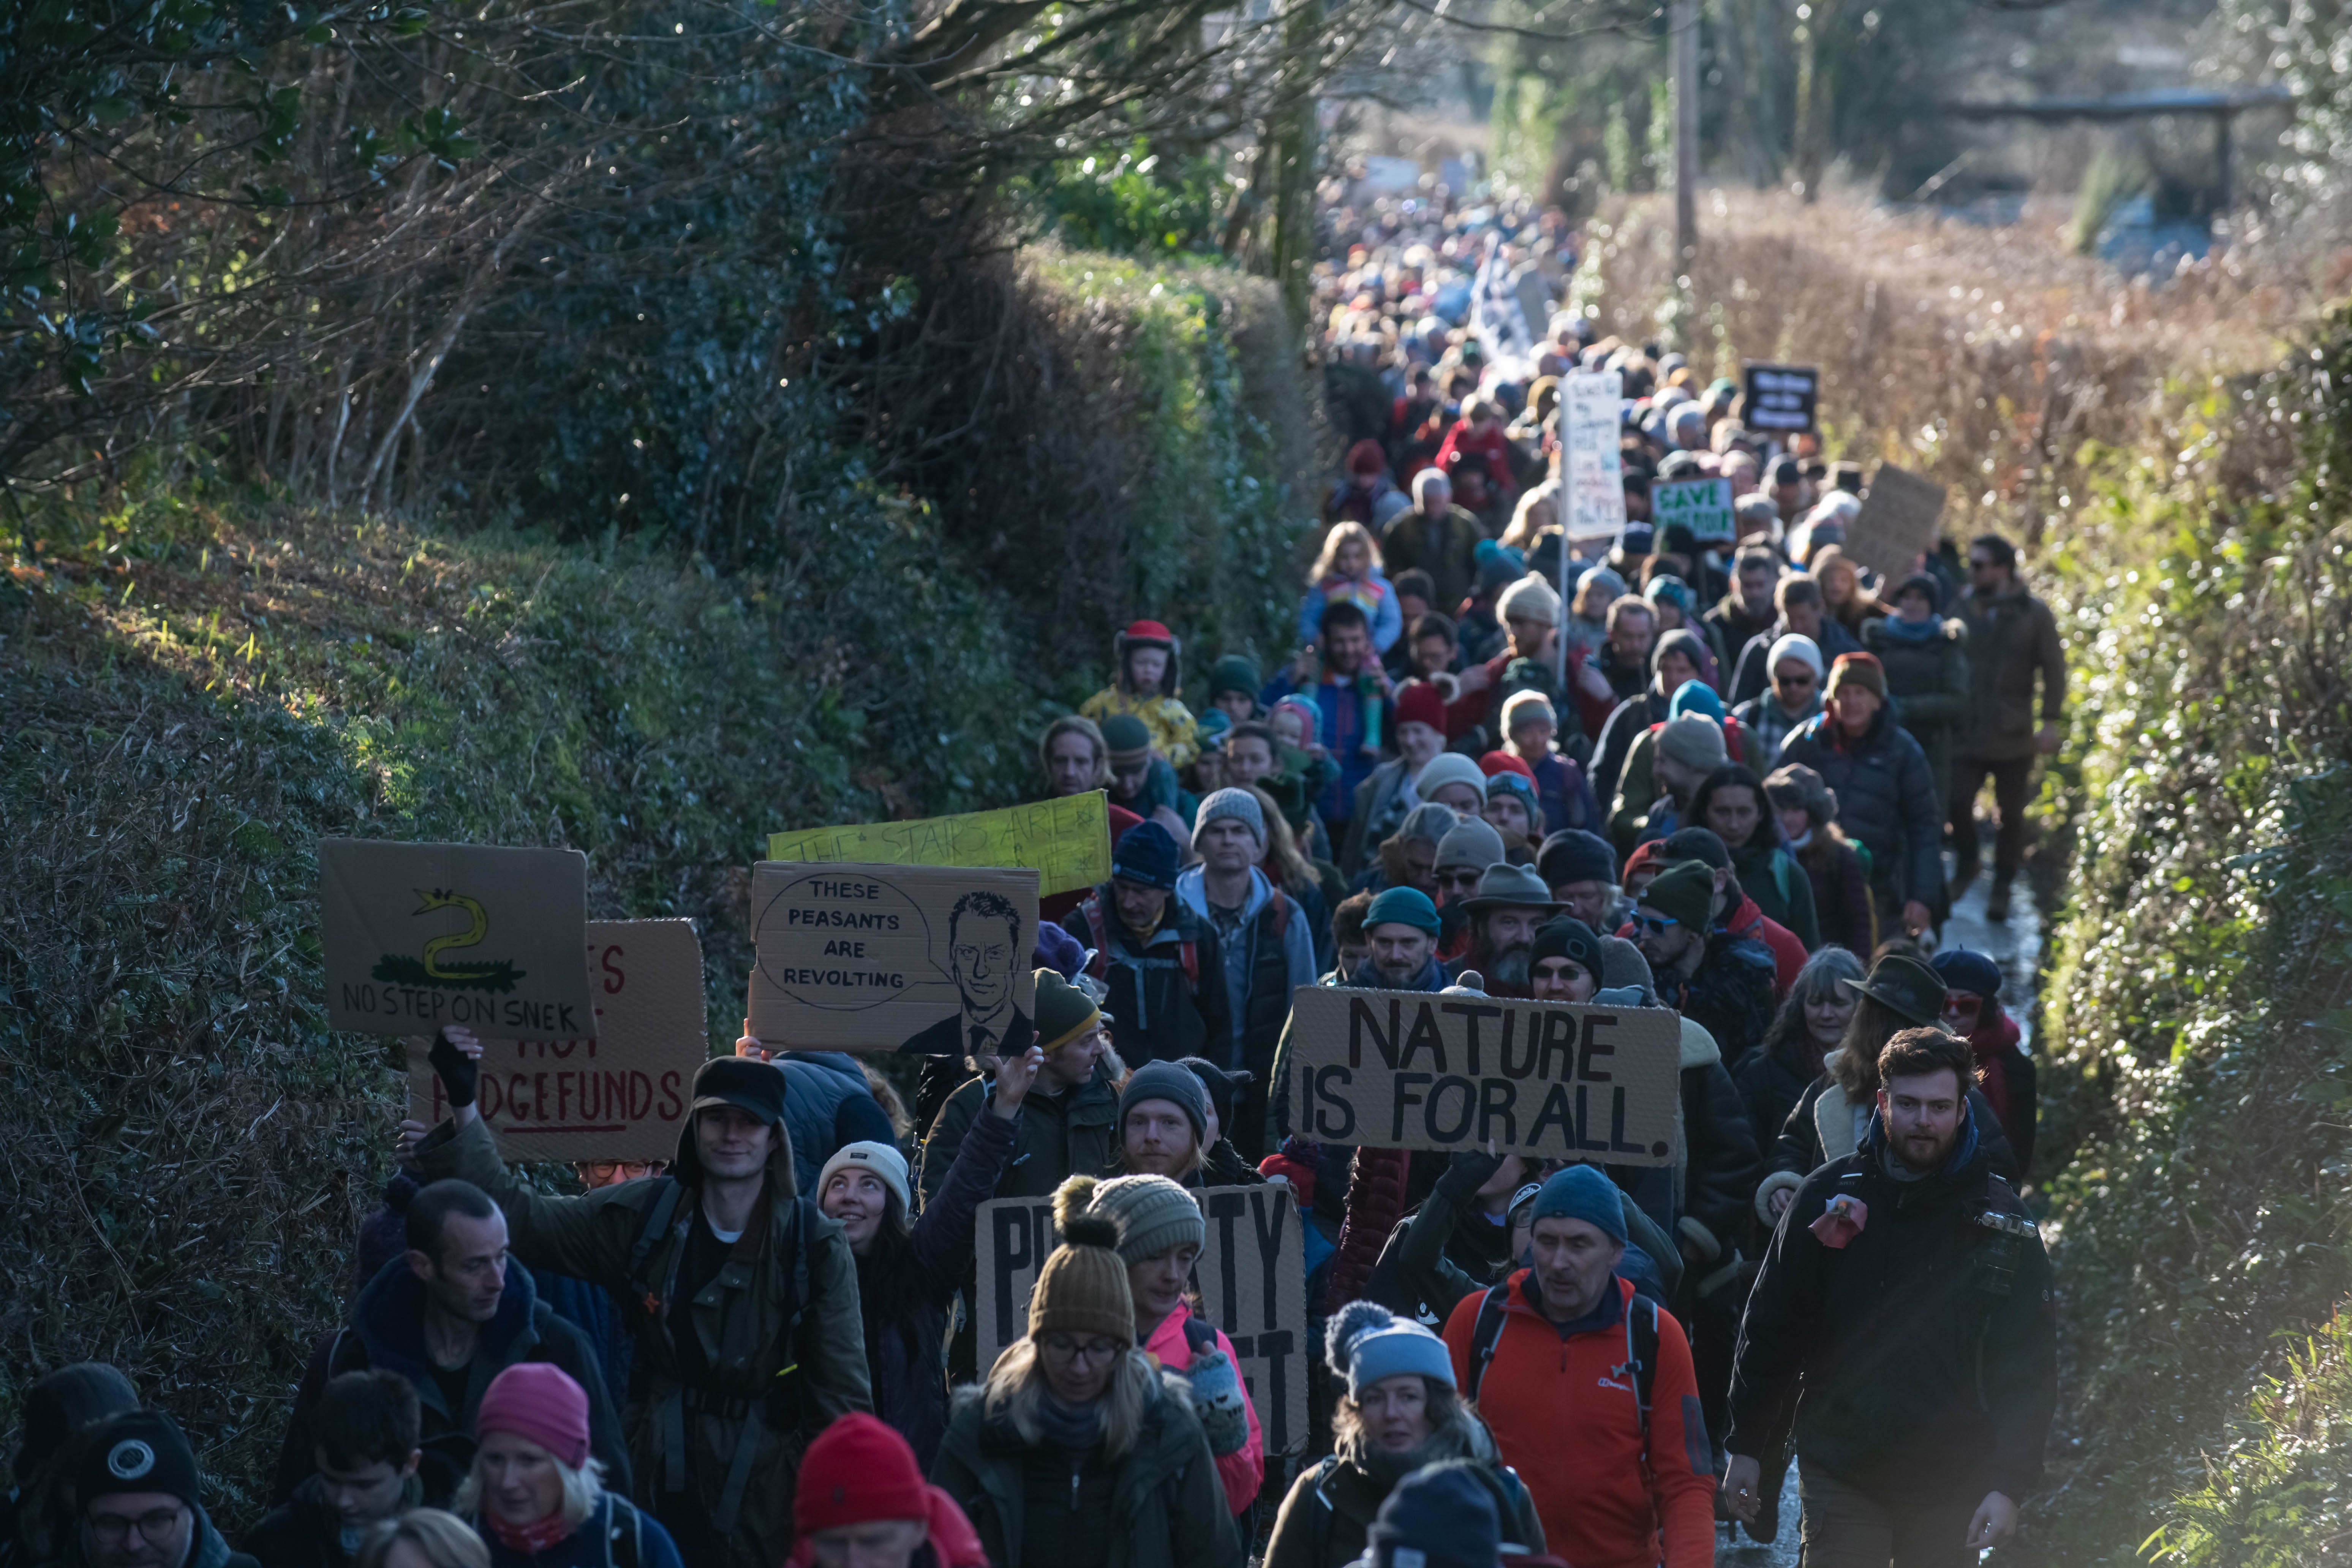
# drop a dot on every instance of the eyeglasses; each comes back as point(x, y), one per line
point(1656, 925)
point(156, 1525)
point(1064, 1347)
point(604, 1173)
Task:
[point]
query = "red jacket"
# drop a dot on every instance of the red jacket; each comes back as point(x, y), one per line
point(1566, 1415)
point(1787, 953)
point(1494, 449)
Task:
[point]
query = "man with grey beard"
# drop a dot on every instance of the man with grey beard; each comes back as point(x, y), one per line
point(1512, 902)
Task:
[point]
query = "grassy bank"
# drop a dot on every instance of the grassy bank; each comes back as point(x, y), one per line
point(196, 684)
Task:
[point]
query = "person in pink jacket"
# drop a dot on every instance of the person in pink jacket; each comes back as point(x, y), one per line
point(1160, 1234)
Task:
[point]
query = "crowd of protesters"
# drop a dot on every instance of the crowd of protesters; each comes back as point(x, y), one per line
point(1717, 781)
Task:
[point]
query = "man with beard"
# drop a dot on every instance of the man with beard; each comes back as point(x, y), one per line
point(1722, 981)
point(1512, 902)
point(1902, 1327)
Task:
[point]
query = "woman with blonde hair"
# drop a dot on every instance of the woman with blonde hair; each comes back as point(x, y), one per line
point(1075, 1411)
point(1842, 599)
point(536, 1497)
point(1350, 568)
point(422, 1538)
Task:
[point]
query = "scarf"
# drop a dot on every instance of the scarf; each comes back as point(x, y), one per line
point(1075, 1431)
point(1901, 630)
point(1386, 1469)
point(529, 1540)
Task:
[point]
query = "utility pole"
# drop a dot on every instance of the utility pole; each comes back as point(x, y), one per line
point(1684, 36)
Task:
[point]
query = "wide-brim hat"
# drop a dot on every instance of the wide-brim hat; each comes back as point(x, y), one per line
point(1905, 984)
point(1516, 886)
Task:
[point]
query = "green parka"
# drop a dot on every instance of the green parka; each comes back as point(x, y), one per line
point(1072, 1133)
point(785, 1346)
point(1167, 1503)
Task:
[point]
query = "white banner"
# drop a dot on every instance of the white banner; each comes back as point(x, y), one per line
point(1589, 420)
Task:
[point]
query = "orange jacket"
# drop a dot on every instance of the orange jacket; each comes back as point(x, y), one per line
point(1566, 1414)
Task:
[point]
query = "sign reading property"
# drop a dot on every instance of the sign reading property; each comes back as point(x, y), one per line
point(422, 935)
point(1550, 1080)
point(1781, 398)
point(1703, 506)
point(1896, 524)
point(1066, 842)
point(1251, 1277)
point(887, 957)
point(618, 1094)
point(1592, 423)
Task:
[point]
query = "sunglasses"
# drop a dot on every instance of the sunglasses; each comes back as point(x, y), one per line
point(1798, 680)
point(1458, 878)
point(1656, 925)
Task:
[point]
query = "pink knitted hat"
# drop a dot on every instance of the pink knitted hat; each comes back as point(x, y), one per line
point(532, 1399)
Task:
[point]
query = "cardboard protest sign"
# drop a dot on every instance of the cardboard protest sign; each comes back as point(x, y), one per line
point(420, 935)
point(1251, 1277)
point(619, 1094)
point(1590, 419)
point(1066, 842)
point(1703, 506)
point(1409, 1069)
point(1782, 398)
point(881, 958)
point(1897, 521)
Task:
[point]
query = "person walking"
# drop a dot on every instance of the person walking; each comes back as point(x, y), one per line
point(862, 1502)
point(535, 1496)
point(1397, 1412)
point(728, 1383)
point(1589, 1393)
point(1901, 1334)
point(1885, 796)
point(1078, 1451)
point(2012, 644)
point(137, 1500)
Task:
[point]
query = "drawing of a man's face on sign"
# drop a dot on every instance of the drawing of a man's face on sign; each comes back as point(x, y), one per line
point(983, 940)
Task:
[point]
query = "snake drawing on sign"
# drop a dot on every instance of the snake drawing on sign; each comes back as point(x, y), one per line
point(400, 969)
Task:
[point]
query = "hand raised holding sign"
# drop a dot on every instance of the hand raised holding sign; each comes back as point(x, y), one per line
point(751, 1044)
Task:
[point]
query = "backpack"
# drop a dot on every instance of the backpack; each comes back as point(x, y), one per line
point(1500, 1480)
point(1099, 935)
point(1641, 1348)
point(784, 1406)
point(624, 1537)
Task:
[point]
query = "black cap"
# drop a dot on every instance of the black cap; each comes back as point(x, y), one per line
point(138, 1451)
point(753, 1088)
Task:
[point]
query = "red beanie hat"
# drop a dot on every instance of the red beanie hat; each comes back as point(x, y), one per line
point(858, 1471)
point(537, 1400)
point(1495, 763)
point(1419, 703)
point(1366, 457)
point(1650, 856)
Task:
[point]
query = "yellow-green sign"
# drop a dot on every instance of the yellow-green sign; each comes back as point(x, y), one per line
point(1066, 842)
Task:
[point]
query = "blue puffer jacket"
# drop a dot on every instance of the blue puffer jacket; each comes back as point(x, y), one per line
point(1885, 800)
point(826, 1104)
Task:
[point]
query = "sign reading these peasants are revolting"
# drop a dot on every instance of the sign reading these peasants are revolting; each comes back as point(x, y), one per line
point(1066, 842)
point(1251, 1276)
point(885, 957)
point(620, 1094)
point(1550, 1080)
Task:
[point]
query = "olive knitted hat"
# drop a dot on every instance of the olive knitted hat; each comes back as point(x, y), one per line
point(1151, 1214)
point(1083, 1289)
point(1064, 1012)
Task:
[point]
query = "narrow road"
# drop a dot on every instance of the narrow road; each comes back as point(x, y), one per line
point(2016, 946)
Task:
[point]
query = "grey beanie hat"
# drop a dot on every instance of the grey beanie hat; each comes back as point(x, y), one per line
point(1237, 804)
point(1152, 1214)
point(1179, 1085)
point(1473, 842)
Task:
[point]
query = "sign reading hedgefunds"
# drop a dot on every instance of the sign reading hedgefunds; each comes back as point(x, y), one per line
point(422, 935)
point(1251, 1278)
point(1409, 1069)
point(880, 958)
point(619, 1094)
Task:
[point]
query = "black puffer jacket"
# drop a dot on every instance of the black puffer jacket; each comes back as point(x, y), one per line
point(1721, 1163)
point(1730, 996)
point(1922, 1354)
point(1886, 800)
point(1770, 1082)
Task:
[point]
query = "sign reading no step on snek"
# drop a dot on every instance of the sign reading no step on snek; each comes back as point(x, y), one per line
point(419, 936)
point(1550, 1080)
